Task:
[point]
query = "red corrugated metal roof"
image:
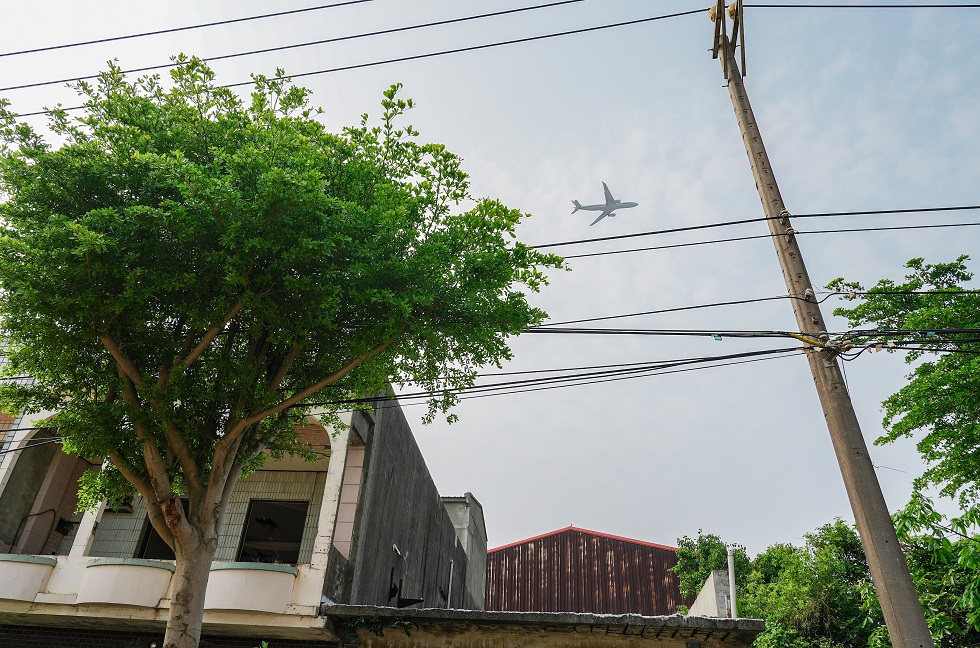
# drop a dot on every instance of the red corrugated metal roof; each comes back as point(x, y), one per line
point(586, 531)
point(577, 570)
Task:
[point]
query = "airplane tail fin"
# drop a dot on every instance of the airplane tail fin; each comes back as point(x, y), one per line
point(577, 206)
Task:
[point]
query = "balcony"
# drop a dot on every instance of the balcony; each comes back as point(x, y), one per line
point(22, 577)
point(257, 587)
point(125, 581)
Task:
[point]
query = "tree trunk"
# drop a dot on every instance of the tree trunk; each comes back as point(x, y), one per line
point(190, 583)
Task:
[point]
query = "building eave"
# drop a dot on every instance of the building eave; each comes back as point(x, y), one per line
point(420, 627)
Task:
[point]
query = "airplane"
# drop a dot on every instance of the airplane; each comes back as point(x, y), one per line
point(608, 209)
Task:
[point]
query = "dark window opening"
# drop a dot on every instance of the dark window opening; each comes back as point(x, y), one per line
point(152, 545)
point(273, 532)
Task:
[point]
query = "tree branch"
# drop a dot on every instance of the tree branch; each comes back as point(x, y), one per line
point(145, 489)
point(192, 473)
point(284, 367)
point(154, 460)
point(232, 480)
point(229, 442)
point(155, 466)
point(312, 389)
point(126, 366)
point(222, 470)
point(209, 336)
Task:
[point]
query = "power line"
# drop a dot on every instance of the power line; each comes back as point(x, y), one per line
point(690, 228)
point(712, 333)
point(325, 41)
point(393, 401)
point(32, 445)
point(879, 212)
point(355, 2)
point(826, 296)
point(185, 28)
point(722, 333)
point(616, 379)
point(560, 379)
point(580, 368)
point(764, 236)
point(863, 6)
point(517, 387)
point(457, 50)
point(676, 309)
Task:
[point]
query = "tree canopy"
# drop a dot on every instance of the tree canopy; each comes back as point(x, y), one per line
point(186, 269)
point(821, 593)
point(939, 405)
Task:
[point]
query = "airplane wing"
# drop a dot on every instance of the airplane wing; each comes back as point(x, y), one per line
point(601, 216)
point(609, 196)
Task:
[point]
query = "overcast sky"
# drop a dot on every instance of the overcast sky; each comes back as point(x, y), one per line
point(860, 110)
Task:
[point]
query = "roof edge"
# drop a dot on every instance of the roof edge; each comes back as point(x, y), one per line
point(587, 532)
point(337, 612)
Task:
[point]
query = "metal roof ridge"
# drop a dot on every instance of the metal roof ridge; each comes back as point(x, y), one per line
point(587, 532)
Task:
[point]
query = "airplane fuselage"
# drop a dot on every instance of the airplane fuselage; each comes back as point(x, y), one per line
point(610, 207)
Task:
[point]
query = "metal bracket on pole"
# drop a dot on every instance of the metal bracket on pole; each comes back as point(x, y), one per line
point(717, 15)
point(736, 11)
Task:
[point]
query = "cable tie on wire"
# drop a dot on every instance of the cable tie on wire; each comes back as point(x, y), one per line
point(716, 336)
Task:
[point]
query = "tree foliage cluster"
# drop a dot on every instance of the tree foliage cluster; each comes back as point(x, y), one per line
point(187, 269)
point(821, 594)
point(938, 406)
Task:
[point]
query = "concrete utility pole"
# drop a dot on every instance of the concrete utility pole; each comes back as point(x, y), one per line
point(889, 571)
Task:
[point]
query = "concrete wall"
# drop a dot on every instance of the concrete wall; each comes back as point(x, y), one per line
point(712, 600)
point(119, 534)
point(466, 514)
point(402, 532)
point(21, 489)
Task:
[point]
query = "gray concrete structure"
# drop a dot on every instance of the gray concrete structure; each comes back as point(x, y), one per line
point(404, 544)
point(466, 514)
point(713, 599)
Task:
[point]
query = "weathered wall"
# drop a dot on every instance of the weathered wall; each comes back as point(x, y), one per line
point(17, 498)
point(475, 629)
point(400, 507)
point(119, 534)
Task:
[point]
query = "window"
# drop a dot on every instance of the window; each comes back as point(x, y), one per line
point(152, 545)
point(273, 532)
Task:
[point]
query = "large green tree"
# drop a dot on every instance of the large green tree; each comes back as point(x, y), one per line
point(939, 406)
point(943, 554)
point(814, 595)
point(821, 593)
point(185, 269)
